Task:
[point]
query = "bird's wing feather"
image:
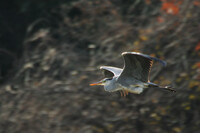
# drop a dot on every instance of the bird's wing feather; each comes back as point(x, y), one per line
point(138, 65)
point(110, 71)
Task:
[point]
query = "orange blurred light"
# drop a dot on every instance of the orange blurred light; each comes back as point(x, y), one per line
point(170, 8)
point(197, 48)
point(196, 3)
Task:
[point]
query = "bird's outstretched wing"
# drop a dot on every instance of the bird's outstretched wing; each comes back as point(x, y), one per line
point(138, 65)
point(109, 71)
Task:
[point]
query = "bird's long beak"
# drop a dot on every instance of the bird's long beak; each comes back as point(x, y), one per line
point(98, 83)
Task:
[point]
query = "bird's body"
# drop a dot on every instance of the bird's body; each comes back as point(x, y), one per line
point(134, 86)
point(133, 78)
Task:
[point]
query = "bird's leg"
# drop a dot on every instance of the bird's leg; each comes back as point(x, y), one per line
point(121, 93)
point(124, 92)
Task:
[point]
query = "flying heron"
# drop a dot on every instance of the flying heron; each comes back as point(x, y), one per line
point(134, 76)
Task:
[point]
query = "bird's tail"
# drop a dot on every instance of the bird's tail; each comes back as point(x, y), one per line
point(168, 88)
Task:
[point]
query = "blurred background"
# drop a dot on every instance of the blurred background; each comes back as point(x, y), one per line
point(51, 51)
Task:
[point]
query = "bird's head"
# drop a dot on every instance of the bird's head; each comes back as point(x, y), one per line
point(102, 82)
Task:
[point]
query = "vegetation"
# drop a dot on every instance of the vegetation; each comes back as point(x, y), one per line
point(51, 51)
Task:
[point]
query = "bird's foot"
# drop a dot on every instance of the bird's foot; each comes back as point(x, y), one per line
point(123, 93)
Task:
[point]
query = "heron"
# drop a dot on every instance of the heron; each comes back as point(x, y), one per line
point(134, 77)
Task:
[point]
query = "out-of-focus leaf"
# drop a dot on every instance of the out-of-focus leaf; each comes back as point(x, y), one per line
point(192, 97)
point(109, 126)
point(197, 48)
point(177, 129)
point(163, 111)
point(74, 73)
point(187, 108)
point(148, 2)
point(28, 65)
point(193, 84)
point(114, 104)
point(137, 46)
point(144, 38)
point(160, 19)
point(170, 8)
point(196, 65)
point(155, 116)
point(196, 3)
point(136, 43)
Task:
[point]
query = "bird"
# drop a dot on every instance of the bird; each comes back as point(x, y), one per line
point(133, 77)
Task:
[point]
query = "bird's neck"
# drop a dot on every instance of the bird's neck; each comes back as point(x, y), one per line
point(110, 85)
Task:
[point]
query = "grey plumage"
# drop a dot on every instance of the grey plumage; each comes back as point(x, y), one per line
point(111, 71)
point(134, 76)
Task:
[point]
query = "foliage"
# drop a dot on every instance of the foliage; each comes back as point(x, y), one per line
point(64, 43)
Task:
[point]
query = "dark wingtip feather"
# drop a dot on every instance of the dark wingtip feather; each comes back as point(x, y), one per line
point(161, 61)
point(147, 56)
